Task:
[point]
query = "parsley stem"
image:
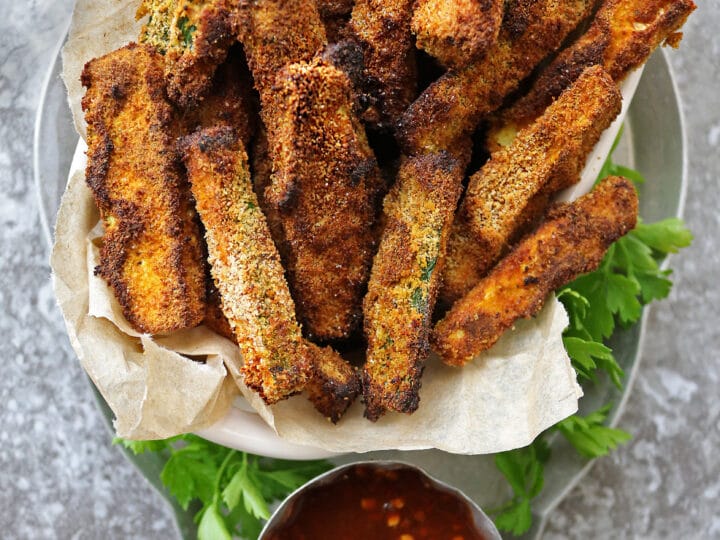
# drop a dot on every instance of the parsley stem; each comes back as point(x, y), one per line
point(220, 473)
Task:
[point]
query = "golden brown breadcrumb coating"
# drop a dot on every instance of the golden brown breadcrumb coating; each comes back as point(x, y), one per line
point(546, 156)
point(572, 241)
point(621, 37)
point(457, 32)
point(276, 33)
point(324, 187)
point(194, 36)
point(246, 266)
point(151, 252)
point(405, 279)
point(449, 110)
point(255, 297)
point(230, 101)
point(381, 28)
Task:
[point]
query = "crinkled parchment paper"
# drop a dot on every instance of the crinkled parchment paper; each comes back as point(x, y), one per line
point(158, 387)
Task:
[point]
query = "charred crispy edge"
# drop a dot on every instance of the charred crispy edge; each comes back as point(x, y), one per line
point(113, 254)
point(389, 82)
point(438, 177)
point(335, 15)
point(572, 241)
point(190, 74)
point(473, 251)
point(457, 42)
point(334, 384)
point(211, 140)
point(347, 55)
point(230, 101)
point(449, 110)
point(617, 52)
point(221, 145)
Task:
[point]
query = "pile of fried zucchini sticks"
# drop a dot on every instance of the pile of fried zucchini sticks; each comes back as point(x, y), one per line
point(313, 176)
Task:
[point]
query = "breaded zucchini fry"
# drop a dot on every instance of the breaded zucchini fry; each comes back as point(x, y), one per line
point(405, 279)
point(230, 101)
point(621, 37)
point(544, 157)
point(449, 110)
point(324, 187)
point(276, 33)
point(246, 266)
point(151, 254)
point(457, 32)
point(382, 30)
point(255, 297)
point(194, 36)
point(572, 241)
point(334, 383)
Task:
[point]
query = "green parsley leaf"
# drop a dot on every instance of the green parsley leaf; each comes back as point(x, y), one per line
point(245, 524)
point(212, 526)
point(589, 436)
point(235, 489)
point(244, 486)
point(610, 168)
point(516, 519)
point(631, 174)
point(654, 285)
point(524, 470)
point(190, 474)
point(187, 31)
point(286, 477)
point(417, 300)
point(140, 447)
point(666, 236)
point(428, 268)
point(621, 296)
point(598, 320)
point(588, 355)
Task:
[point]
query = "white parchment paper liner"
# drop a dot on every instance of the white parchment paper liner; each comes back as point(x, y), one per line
point(157, 387)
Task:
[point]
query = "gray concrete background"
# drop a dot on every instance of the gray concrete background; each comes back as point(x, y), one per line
point(61, 478)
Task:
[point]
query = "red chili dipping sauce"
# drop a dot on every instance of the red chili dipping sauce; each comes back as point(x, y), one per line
point(377, 504)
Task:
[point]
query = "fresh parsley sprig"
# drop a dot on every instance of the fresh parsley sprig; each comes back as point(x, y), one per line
point(523, 469)
point(235, 489)
point(629, 277)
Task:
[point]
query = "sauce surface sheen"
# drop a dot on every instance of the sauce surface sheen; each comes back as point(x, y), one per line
point(377, 504)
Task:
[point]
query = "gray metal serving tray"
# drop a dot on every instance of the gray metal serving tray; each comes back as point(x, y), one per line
point(653, 143)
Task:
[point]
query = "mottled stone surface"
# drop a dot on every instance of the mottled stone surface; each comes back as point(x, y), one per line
point(61, 478)
point(666, 482)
